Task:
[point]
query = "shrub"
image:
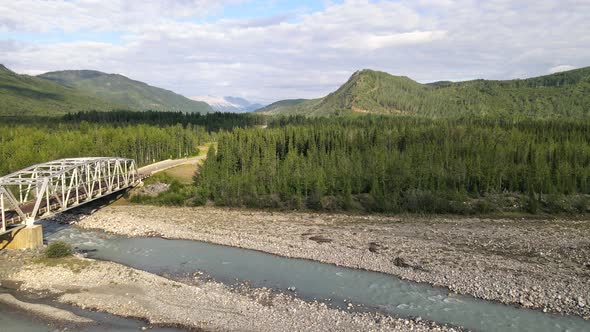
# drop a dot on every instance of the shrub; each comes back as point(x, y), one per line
point(581, 204)
point(556, 203)
point(532, 204)
point(58, 249)
point(483, 206)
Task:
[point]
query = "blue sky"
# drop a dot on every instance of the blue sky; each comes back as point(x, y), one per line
point(274, 49)
point(252, 9)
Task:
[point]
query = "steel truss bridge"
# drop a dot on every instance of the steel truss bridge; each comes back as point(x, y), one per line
point(44, 189)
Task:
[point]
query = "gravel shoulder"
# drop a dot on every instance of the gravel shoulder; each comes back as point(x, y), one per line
point(199, 305)
point(543, 264)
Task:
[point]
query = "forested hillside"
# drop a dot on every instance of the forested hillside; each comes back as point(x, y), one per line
point(76, 91)
point(127, 92)
point(565, 94)
point(30, 95)
point(279, 106)
point(393, 164)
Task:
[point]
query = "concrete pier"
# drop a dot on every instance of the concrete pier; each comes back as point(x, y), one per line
point(23, 238)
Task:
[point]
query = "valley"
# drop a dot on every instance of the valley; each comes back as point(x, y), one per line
point(229, 104)
point(202, 285)
point(388, 204)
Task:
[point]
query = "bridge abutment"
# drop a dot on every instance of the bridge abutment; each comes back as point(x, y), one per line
point(23, 238)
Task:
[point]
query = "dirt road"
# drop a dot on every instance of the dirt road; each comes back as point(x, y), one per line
point(169, 163)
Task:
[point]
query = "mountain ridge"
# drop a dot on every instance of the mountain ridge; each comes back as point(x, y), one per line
point(126, 91)
point(24, 95)
point(62, 92)
point(562, 94)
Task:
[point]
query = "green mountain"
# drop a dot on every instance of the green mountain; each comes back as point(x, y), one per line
point(279, 106)
point(127, 92)
point(564, 94)
point(29, 95)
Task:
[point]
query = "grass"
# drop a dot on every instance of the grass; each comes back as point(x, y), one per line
point(59, 253)
point(183, 173)
point(58, 249)
point(71, 263)
point(204, 149)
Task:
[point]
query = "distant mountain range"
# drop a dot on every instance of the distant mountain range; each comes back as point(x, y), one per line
point(60, 92)
point(564, 94)
point(229, 104)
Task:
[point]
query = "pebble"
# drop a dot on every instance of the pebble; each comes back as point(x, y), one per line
point(487, 259)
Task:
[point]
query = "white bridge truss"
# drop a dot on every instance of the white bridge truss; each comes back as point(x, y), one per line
point(43, 189)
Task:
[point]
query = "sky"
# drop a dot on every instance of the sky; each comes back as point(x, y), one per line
point(269, 50)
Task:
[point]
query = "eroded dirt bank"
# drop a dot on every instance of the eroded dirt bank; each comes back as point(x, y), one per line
point(533, 263)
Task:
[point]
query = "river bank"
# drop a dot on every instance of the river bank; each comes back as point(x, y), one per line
point(543, 264)
point(194, 304)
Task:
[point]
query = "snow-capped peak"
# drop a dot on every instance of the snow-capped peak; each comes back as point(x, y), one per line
point(228, 104)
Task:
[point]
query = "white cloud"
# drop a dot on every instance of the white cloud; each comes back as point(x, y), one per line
point(372, 42)
point(107, 15)
point(561, 68)
point(175, 45)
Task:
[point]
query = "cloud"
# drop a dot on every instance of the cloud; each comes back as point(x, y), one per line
point(109, 15)
point(373, 42)
point(207, 47)
point(561, 68)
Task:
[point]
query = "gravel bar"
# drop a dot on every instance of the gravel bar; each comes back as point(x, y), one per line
point(542, 264)
point(207, 306)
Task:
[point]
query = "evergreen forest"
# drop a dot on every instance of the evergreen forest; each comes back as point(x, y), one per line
point(373, 163)
point(146, 137)
point(397, 164)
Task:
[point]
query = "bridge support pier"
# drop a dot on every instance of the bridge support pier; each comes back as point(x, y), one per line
point(23, 238)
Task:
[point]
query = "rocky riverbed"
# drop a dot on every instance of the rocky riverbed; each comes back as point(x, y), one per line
point(194, 304)
point(543, 264)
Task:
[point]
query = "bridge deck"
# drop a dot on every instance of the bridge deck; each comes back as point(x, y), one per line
point(56, 186)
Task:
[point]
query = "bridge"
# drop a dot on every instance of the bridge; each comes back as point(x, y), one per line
point(44, 189)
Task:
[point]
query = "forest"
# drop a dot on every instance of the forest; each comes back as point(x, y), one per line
point(397, 164)
point(25, 145)
point(146, 137)
point(210, 121)
point(386, 164)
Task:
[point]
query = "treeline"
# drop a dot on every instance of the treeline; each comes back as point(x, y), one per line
point(387, 164)
point(24, 145)
point(211, 121)
point(144, 136)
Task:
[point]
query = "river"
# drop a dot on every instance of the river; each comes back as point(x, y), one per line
point(335, 285)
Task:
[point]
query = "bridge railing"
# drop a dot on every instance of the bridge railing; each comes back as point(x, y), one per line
point(62, 184)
